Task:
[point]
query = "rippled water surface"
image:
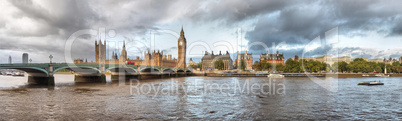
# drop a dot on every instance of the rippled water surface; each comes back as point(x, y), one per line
point(188, 98)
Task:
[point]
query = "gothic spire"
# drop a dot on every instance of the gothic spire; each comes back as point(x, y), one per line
point(182, 32)
point(124, 43)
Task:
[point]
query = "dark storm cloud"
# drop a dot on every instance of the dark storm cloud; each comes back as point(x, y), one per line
point(231, 12)
point(297, 25)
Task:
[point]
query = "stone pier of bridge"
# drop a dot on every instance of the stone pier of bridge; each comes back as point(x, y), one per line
point(42, 79)
point(91, 77)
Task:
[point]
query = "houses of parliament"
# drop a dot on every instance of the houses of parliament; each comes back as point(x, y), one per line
point(155, 58)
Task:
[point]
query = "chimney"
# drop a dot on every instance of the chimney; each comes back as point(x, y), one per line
point(220, 53)
point(212, 52)
point(267, 52)
point(277, 53)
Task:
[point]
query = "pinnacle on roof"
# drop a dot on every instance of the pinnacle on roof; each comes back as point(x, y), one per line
point(181, 32)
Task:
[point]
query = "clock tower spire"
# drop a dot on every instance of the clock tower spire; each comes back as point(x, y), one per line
point(182, 43)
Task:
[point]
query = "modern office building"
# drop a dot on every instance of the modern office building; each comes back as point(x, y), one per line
point(25, 58)
point(9, 60)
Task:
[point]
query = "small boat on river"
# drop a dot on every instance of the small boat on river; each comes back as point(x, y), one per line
point(275, 76)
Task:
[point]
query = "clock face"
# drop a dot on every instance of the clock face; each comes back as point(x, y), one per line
point(180, 43)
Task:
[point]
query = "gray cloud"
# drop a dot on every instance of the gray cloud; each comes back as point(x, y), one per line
point(50, 23)
point(42, 27)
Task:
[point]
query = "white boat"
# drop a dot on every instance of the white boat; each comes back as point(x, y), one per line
point(376, 83)
point(9, 73)
point(275, 76)
point(381, 75)
point(18, 74)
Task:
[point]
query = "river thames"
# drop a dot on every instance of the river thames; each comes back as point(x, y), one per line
point(208, 98)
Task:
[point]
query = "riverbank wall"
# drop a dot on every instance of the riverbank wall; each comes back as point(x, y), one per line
point(294, 75)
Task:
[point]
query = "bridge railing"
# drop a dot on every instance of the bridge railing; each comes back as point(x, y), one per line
point(57, 65)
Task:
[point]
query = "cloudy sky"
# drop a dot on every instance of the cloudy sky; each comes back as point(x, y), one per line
point(365, 28)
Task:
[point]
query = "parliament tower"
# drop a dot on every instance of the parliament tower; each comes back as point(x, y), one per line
point(181, 63)
point(100, 51)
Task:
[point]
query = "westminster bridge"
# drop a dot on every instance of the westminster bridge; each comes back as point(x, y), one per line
point(42, 73)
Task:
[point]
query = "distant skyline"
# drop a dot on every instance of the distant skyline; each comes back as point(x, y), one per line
point(367, 28)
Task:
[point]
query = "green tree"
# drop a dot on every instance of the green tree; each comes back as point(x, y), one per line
point(292, 66)
point(280, 67)
point(199, 65)
point(343, 67)
point(359, 65)
point(382, 66)
point(193, 66)
point(257, 66)
point(219, 64)
point(328, 68)
point(314, 66)
point(262, 66)
point(289, 65)
point(378, 69)
point(396, 63)
point(266, 66)
point(389, 68)
point(359, 59)
point(242, 64)
point(395, 67)
point(335, 67)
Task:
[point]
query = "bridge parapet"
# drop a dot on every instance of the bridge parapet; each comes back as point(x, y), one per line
point(43, 72)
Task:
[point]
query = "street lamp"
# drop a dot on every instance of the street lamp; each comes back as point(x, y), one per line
point(50, 57)
point(30, 60)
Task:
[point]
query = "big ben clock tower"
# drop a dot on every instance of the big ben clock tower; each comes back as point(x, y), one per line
point(182, 43)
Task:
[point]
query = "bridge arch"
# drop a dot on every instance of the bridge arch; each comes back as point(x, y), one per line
point(74, 68)
point(127, 69)
point(149, 69)
point(168, 70)
point(180, 70)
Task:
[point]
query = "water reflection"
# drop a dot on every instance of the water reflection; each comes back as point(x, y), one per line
point(187, 98)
